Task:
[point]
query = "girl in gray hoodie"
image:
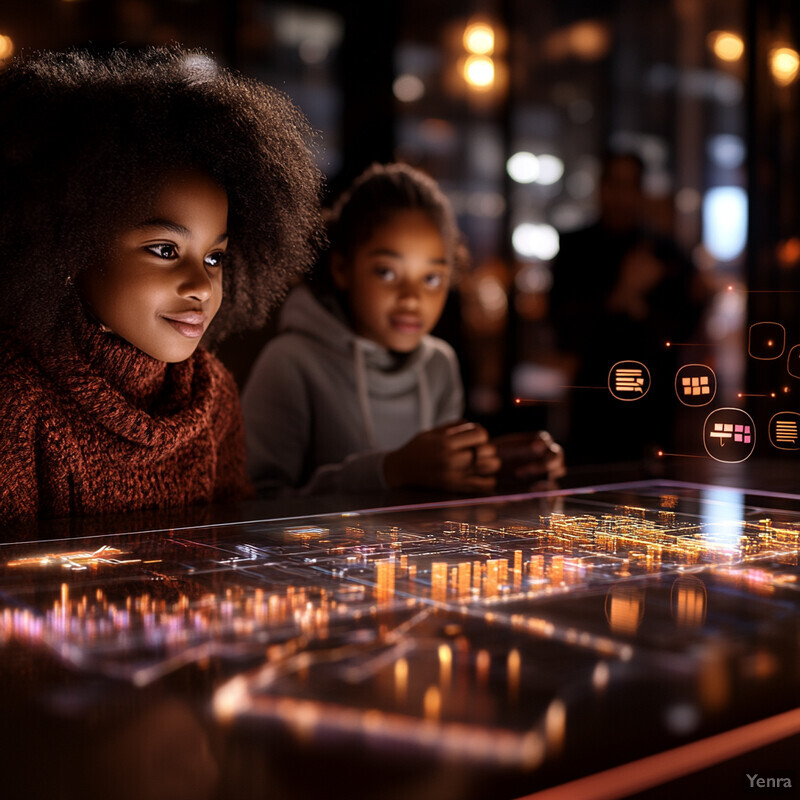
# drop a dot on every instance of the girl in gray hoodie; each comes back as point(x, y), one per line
point(354, 393)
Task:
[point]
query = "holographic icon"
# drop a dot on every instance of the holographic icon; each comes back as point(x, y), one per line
point(766, 340)
point(784, 430)
point(629, 380)
point(793, 362)
point(695, 384)
point(725, 431)
point(729, 435)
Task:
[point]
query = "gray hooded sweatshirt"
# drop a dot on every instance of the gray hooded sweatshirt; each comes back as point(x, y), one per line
point(323, 406)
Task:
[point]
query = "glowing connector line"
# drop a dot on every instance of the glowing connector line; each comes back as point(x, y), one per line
point(77, 559)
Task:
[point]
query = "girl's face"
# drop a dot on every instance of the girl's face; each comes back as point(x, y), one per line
point(396, 281)
point(162, 285)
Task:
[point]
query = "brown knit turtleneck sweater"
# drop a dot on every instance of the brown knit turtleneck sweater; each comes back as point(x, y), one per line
point(102, 427)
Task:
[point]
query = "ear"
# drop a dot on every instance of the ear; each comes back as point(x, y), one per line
point(339, 271)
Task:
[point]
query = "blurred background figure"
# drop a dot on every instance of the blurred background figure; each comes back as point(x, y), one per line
point(621, 291)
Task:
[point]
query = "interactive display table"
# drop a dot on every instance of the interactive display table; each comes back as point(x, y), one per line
point(644, 636)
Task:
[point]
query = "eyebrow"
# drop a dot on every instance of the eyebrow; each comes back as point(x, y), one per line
point(383, 251)
point(174, 227)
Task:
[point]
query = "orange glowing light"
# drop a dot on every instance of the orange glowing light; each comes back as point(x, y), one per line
point(784, 63)
point(432, 704)
point(75, 559)
point(439, 580)
point(479, 72)
point(589, 40)
point(445, 666)
point(482, 664)
point(6, 47)
point(689, 599)
point(400, 680)
point(555, 724)
point(788, 252)
point(479, 38)
point(624, 609)
point(726, 46)
point(513, 666)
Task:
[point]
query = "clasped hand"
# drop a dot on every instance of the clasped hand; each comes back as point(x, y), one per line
point(460, 457)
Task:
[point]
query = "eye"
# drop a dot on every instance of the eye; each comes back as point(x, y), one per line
point(165, 251)
point(386, 274)
point(434, 280)
point(215, 259)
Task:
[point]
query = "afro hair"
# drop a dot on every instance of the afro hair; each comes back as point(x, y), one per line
point(84, 143)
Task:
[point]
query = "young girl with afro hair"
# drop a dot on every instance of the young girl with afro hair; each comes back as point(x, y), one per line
point(152, 203)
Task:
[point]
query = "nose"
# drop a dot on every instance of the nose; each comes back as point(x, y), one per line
point(195, 282)
point(409, 293)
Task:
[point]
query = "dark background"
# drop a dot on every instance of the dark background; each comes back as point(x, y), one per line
point(383, 81)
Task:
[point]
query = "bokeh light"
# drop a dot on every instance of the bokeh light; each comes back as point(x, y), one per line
point(725, 222)
point(551, 168)
point(726, 46)
point(479, 39)
point(6, 47)
point(408, 88)
point(532, 240)
point(479, 71)
point(784, 64)
point(523, 167)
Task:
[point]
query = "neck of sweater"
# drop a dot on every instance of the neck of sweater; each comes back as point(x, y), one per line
point(123, 389)
point(126, 369)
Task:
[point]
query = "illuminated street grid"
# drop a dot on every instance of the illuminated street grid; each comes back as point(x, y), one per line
point(467, 629)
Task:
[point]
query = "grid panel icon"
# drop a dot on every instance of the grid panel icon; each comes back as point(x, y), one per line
point(695, 384)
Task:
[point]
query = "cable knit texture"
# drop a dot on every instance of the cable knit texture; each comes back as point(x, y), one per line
point(99, 426)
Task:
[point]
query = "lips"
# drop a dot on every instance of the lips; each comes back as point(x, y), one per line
point(404, 324)
point(190, 324)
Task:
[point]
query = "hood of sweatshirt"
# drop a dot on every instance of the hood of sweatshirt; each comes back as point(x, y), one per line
point(377, 371)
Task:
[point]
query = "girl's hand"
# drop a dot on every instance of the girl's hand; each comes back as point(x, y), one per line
point(456, 457)
point(530, 456)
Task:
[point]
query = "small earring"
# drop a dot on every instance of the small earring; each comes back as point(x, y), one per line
point(104, 328)
point(69, 282)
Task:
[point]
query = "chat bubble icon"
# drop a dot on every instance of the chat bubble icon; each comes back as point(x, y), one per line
point(628, 380)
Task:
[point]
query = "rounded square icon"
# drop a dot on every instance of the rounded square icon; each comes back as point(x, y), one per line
point(766, 340)
point(695, 384)
point(784, 430)
point(793, 362)
point(629, 380)
point(729, 435)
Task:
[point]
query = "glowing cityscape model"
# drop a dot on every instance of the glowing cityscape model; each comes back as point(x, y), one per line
point(473, 629)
